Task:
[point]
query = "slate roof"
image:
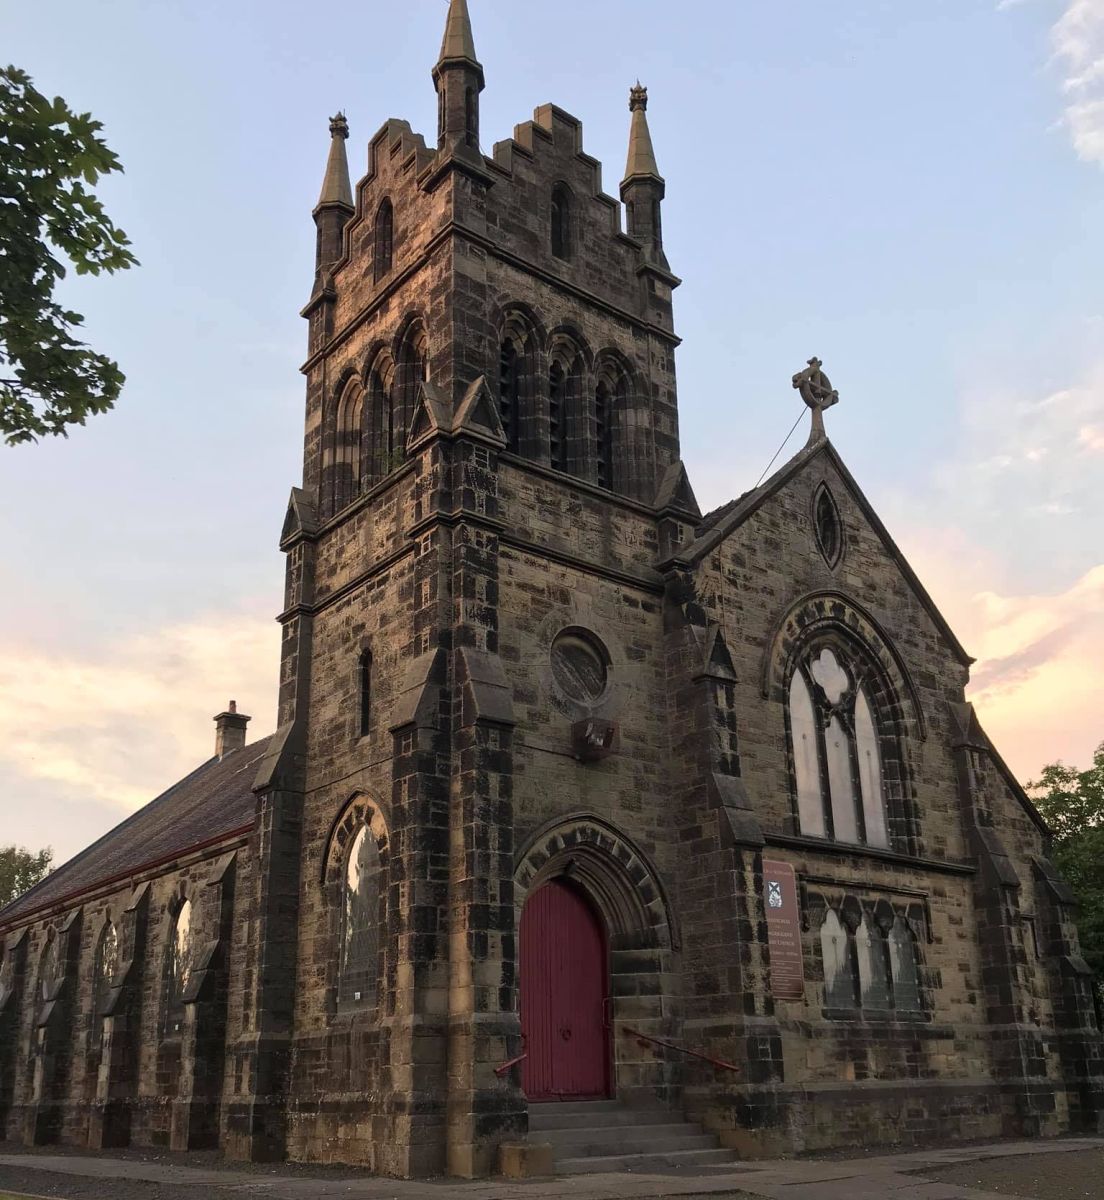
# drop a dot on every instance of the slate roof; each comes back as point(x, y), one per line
point(215, 800)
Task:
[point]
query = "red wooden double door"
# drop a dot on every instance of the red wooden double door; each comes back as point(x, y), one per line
point(564, 987)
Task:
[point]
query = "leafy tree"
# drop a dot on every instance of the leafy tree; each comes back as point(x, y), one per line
point(20, 870)
point(1072, 804)
point(50, 158)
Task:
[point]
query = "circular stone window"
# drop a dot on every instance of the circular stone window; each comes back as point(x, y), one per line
point(580, 666)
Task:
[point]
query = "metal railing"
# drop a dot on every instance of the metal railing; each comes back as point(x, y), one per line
point(509, 1066)
point(646, 1038)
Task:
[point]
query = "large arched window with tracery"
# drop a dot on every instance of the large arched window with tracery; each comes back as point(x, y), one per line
point(837, 748)
point(360, 920)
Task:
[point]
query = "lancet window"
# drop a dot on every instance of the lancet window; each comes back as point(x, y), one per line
point(869, 955)
point(561, 222)
point(179, 964)
point(384, 239)
point(105, 967)
point(364, 688)
point(837, 749)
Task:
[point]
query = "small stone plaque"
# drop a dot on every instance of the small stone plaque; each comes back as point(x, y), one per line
point(787, 970)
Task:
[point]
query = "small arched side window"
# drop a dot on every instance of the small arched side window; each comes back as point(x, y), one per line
point(360, 921)
point(178, 968)
point(828, 527)
point(364, 689)
point(50, 966)
point(104, 969)
point(836, 751)
point(561, 222)
point(181, 950)
point(385, 239)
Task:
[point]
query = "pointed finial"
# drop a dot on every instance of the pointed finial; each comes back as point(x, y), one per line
point(336, 188)
point(458, 41)
point(642, 161)
point(817, 392)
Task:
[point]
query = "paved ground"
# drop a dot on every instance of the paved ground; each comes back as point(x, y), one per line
point(1039, 1170)
point(1061, 1177)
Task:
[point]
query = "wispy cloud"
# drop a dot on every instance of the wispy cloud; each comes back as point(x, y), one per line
point(1036, 683)
point(1078, 47)
point(122, 722)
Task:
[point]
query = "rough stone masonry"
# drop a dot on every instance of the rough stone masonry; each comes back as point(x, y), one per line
point(561, 764)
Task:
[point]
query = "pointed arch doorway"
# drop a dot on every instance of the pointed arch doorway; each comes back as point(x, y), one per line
point(564, 988)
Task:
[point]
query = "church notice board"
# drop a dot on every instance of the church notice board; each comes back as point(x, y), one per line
point(787, 970)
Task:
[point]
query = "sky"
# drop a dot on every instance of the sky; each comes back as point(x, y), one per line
point(912, 192)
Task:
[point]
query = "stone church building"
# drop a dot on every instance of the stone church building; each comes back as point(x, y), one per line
point(582, 806)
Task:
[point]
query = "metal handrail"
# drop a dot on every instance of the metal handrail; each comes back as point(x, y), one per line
point(645, 1037)
point(507, 1066)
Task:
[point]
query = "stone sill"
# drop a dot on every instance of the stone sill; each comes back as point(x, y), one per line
point(847, 850)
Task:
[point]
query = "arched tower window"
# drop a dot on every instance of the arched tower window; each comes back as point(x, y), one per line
point(360, 920)
point(364, 689)
point(611, 402)
point(520, 394)
point(836, 749)
point(379, 433)
point(603, 434)
point(557, 401)
point(561, 222)
point(413, 367)
point(347, 437)
point(630, 216)
point(385, 239)
point(509, 392)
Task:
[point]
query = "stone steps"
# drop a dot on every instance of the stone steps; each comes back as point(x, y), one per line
point(605, 1135)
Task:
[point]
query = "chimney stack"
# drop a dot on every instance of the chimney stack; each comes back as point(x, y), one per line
point(230, 730)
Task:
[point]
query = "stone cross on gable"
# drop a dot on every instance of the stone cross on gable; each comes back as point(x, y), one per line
point(817, 392)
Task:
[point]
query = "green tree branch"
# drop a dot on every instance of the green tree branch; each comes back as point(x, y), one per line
point(49, 159)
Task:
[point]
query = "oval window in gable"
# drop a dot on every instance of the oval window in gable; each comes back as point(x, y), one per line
point(829, 530)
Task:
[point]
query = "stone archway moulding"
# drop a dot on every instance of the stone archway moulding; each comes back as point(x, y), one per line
point(819, 612)
point(615, 872)
point(360, 809)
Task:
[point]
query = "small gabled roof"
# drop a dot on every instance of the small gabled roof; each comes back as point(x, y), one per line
point(215, 801)
point(718, 524)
